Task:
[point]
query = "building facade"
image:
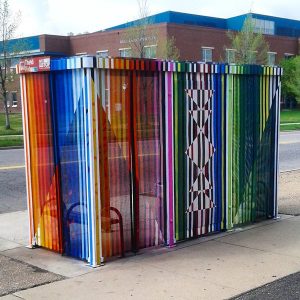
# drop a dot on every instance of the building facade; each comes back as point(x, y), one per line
point(198, 38)
point(28, 47)
point(202, 38)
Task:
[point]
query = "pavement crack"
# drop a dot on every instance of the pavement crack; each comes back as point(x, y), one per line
point(241, 246)
point(261, 250)
point(17, 296)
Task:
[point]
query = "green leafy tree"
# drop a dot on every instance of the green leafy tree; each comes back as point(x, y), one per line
point(8, 25)
point(250, 47)
point(291, 78)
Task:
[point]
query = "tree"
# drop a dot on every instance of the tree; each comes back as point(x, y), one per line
point(250, 47)
point(141, 34)
point(167, 49)
point(8, 26)
point(291, 78)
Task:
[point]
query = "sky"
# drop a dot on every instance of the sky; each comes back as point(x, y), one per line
point(79, 16)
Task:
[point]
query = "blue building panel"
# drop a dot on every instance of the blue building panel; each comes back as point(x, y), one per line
point(197, 20)
point(31, 44)
point(179, 18)
point(282, 26)
point(236, 23)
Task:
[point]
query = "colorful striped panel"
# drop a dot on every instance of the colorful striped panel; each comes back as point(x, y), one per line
point(253, 104)
point(43, 184)
point(129, 149)
point(199, 155)
point(125, 154)
point(73, 106)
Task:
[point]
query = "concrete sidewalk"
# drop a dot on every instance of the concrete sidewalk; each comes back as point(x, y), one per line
point(215, 267)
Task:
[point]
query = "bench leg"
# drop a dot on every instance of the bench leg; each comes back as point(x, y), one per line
point(122, 238)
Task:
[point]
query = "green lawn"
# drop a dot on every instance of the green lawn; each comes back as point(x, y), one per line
point(6, 138)
point(15, 124)
point(288, 117)
point(10, 141)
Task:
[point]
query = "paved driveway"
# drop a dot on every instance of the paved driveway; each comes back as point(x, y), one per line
point(289, 151)
point(12, 171)
point(12, 181)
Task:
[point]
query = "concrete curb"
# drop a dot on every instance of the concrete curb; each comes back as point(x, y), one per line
point(12, 147)
point(292, 170)
point(251, 294)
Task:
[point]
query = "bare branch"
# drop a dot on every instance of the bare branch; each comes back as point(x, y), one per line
point(167, 49)
point(9, 23)
point(142, 36)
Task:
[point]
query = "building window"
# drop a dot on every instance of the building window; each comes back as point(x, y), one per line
point(288, 55)
point(14, 62)
point(81, 53)
point(230, 56)
point(207, 54)
point(13, 98)
point(263, 26)
point(125, 52)
point(271, 58)
point(102, 53)
point(8, 62)
point(150, 51)
point(11, 75)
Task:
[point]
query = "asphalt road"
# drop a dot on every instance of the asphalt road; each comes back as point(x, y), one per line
point(16, 275)
point(289, 151)
point(12, 171)
point(12, 181)
point(287, 288)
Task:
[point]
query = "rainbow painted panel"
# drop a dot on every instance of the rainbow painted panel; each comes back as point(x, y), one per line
point(42, 170)
point(146, 153)
point(130, 139)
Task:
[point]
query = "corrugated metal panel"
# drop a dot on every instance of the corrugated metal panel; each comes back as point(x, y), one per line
point(125, 154)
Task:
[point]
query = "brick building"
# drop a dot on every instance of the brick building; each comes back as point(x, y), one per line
point(27, 47)
point(198, 38)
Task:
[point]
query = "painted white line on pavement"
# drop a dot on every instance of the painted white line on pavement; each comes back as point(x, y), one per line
point(11, 167)
point(289, 142)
